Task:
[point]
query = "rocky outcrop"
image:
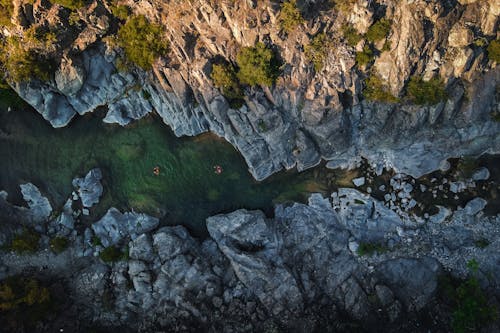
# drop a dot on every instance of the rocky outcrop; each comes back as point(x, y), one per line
point(307, 116)
point(89, 188)
point(115, 226)
point(300, 268)
point(39, 206)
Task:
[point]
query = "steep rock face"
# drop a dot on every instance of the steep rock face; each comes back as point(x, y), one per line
point(306, 115)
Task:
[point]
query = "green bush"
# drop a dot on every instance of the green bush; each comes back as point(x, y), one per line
point(26, 242)
point(111, 254)
point(257, 65)
point(224, 77)
point(364, 57)
point(351, 35)
point(290, 16)
point(6, 11)
point(121, 11)
point(379, 30)
point(59, 244)
point(21, 64)
point(71, 4)
point(142, 41)
point(371, 248)
point(471, 310)
point(317, 51)
point(344, 5)
point(494, 50)
point(426, 92)
point(376, 90)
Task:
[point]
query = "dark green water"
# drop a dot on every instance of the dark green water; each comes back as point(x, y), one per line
point(186, 191)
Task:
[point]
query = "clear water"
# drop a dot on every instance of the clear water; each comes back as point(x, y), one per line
point(186, 191)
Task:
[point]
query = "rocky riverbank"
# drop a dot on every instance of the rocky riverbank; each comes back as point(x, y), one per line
point(337, 263)
point(307, 115)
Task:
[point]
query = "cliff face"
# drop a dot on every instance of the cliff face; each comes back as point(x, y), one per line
point(308, 114)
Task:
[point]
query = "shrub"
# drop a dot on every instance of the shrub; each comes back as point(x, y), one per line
point(142, 42)
point(426, 92)
point(257, 65)
point(71, 4)
point(111, 254)
point(59, 244)
point(23, 303)
point(317, 51)
point(6, 11)
point(290, 16)
point(494, 50)
point(379, 30)
point(344, 5)
point(471, 310)
point(351, 35)
point(364, 57)
point(21, 64)
point(122, 12)
point(26, 242)
point(376, 90)
point(370, 248)
point(224, 77)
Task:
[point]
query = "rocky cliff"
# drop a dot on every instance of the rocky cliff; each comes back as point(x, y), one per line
point(309, 113)
point(335, 264)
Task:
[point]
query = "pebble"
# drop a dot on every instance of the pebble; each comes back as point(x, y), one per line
point(381, 188)
point(423, 188)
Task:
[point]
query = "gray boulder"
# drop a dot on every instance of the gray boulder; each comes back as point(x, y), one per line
point(253, 250)
point(413, 281)
point(39, 206)
point(89, 188)
point(481, 174)
point(115, 226)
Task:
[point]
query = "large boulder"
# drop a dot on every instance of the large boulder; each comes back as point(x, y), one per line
point(253, 250)
point(89, 188)
point(39, 206)
point(114, 226)
point(414, 281)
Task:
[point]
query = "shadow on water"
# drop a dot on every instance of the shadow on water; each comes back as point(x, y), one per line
point(186, 191)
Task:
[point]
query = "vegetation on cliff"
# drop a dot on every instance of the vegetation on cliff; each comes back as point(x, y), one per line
point(423, 92)
point(290, 16)
point(143, 42)
point(257, 65)
point(317, 50)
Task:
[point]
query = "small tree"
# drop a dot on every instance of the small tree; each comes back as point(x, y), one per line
point(142, 41)
point(224, 77)
point(351, 35)
point(376, 90)
point(290, 16)
point(379, 30)
point(364, 57)
point(257, 65)
point(317, 51)
point(426, 92)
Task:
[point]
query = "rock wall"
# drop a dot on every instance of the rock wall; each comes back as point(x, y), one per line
point(307, 115)
point(302, 270)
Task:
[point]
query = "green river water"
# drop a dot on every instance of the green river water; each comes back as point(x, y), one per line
point(186, 191)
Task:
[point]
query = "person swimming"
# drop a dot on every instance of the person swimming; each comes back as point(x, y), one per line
point(217, 169)
point(156, 170)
